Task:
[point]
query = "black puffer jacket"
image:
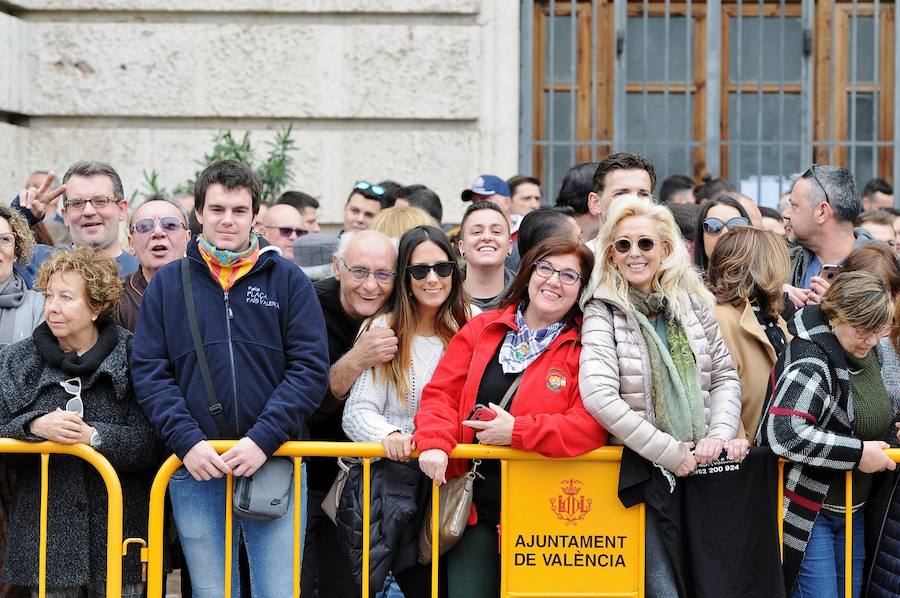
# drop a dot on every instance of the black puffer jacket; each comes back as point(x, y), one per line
point(398, 492)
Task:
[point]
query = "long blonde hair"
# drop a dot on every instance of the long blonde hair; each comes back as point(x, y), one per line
point(676, 277)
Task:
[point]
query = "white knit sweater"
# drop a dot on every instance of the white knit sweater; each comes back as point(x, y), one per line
point(373, 410)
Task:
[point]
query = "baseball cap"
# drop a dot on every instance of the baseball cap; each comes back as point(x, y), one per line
point(486, 184)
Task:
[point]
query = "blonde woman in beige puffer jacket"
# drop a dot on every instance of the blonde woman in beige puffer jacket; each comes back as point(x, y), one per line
point(615, 366)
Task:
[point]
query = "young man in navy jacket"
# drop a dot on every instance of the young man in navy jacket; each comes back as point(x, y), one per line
point(264, 337)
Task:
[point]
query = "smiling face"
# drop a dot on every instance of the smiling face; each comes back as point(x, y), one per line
point(158, 247)
point(373, 251)
point(227, 217)
point(66, 307)
point(549, 299)
point(618, 183)
point(432, 291)
point(638, 267)
point(723, 213)
point(98, 228)
point(485, 240)
point(359, 212)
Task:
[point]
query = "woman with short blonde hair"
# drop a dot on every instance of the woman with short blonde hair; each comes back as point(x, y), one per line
point(393, 222)
point(829, 414)
point(746, 273)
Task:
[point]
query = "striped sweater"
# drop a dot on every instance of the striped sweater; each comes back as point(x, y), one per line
point(809, 422)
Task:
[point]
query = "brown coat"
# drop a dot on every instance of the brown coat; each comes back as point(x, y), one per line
point(754, 356)
point(133, 286)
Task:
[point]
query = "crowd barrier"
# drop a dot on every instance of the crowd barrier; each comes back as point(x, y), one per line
point(564, 531)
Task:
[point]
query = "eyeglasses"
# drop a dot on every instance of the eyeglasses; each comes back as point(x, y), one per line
point(367, 186)
point(567, 276)
point(879, 334)
point(7, 239)
point(75, 404)
point(645, 244)
point(286, 231)
point(360, 274)
point(77, 204)
point(442, 269)
point(714, 226)
point(812, 173)
point(168, 224)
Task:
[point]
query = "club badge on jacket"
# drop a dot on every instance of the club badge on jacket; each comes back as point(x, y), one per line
point(556, 380)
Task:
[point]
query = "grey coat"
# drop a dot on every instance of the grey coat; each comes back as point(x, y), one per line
point(76, 544)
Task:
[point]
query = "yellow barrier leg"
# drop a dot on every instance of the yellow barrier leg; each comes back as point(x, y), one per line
point(435, 537)
point(229, 511)
point(298, 522)
point(848, 538)
point(42, 547)
point(504, 525)
point(367, 505)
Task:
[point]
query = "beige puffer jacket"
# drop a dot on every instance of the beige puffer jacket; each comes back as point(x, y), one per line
point(615, 380)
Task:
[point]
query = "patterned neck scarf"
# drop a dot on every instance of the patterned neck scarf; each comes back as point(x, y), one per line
point(229, 266)
point(521, 348)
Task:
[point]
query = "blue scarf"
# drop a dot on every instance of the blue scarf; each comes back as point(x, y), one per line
point(520, 348)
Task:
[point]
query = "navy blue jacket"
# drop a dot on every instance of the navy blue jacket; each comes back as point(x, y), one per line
point(266, 346)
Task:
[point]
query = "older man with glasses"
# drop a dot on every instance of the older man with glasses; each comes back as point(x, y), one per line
point(824, 204)
point(364, 274)
point(158, 234)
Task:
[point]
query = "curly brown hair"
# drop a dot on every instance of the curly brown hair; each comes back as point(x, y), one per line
point(24, 236)
point(100, 274)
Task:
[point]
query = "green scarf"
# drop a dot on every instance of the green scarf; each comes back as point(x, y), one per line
point(675, 382)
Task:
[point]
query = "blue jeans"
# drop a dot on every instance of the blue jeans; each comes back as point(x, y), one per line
point(822, 571)
point(199, 510)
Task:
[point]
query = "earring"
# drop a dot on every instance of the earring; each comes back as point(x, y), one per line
point(93, 318)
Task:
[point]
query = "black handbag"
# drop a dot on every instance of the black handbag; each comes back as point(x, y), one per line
point(263, 496)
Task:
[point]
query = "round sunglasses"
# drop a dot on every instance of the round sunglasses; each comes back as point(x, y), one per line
point(420, 271)
point(714, 226)
point(168, 224)
point(645, 244)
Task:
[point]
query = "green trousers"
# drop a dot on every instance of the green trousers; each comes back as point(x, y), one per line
point(473, 565)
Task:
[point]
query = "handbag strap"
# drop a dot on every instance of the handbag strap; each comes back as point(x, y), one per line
point(215, 407)
point(510, 391)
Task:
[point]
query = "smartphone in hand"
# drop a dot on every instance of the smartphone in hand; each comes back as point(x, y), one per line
point(830, 271)
point(481, 413)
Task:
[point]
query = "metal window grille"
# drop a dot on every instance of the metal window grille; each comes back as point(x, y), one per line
point(749, 90)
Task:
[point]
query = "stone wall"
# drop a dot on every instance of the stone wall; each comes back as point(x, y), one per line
point(413, 90)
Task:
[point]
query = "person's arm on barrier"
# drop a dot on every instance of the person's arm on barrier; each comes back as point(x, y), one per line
point(301, 391)
point(598, 380)
point(152, 371)
point(364, 420)
point(792, 430)
point(438, 418)
point(433, 463)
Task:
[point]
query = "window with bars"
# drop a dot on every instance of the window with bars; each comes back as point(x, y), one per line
point(752, 91)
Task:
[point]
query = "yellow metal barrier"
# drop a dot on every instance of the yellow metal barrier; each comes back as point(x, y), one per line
point(114, 545)
point(367, 451)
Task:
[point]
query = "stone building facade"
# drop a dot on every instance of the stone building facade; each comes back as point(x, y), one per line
point(413, 90)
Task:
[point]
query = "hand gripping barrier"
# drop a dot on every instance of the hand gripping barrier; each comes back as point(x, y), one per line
point(554, 511)
point(114, 546)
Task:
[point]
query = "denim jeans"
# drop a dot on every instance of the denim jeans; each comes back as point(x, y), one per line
point(822, 571)
point(199, 510)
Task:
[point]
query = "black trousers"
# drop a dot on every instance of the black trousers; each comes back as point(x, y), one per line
point(326, 571)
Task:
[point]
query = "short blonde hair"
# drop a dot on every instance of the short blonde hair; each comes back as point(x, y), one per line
point(100, 274)
point(676, 279)
point(393, 222)
point(749, 264)
point(24, 236)
point(860, 299)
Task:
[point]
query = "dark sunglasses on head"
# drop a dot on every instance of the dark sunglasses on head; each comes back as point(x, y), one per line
point(367, 186)
point(285, 231)
point(714, 226)
point(168, 224)
point(420, 271)
point(645, 244)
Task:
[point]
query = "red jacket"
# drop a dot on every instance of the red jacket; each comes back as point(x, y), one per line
point(550, 417)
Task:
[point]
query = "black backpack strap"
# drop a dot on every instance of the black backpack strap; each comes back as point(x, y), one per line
point(215, 407)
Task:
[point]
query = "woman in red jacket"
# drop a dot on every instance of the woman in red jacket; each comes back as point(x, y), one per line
point(532, 339)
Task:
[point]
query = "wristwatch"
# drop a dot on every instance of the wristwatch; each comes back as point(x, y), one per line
point(96, 441)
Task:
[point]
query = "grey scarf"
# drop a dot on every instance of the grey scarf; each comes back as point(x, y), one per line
point(12, 294)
